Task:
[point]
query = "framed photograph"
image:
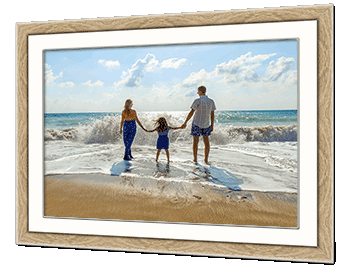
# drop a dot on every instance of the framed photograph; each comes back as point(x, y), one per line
point(206, 134)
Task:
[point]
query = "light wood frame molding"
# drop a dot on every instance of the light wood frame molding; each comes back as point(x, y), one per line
point(325, 250)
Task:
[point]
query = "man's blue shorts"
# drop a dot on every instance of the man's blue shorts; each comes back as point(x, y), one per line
point(197, 131)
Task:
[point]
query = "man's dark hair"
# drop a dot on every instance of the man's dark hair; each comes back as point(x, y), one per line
point(202, 89)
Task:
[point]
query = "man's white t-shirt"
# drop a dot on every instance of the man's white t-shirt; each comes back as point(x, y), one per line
point(203, 107)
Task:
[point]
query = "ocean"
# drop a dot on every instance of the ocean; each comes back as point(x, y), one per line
point(250, 150)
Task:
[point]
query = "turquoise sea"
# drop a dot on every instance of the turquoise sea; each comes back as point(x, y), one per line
point(235, 118)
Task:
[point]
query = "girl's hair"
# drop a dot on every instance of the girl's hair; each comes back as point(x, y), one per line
point(161, 125)
point(127, 106)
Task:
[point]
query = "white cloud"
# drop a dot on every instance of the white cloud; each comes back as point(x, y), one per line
point(133, 76)
point(47, 66)
point(152, 64)
point(98, 83)
point(173, 63)
point(292, 78)
point(175, 91)
point(156, 98)
point(110, 96)
point(279, 69)
point(190, 93)
point(49, 76)
point(109, 64)
point(163, 99)
point(230, 90)
point(242, 68)
point(66, 84)
point(196, 79)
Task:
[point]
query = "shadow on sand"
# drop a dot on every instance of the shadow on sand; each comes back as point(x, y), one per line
point(120, 167)
point(218, 176)
point(209, 173)
point(162, 168)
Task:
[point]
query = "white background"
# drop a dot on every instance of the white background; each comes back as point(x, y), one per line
point(305, 32)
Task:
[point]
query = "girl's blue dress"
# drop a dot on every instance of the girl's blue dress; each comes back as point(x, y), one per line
point(163, 140)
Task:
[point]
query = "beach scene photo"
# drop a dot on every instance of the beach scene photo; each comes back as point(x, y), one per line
point(189, 133)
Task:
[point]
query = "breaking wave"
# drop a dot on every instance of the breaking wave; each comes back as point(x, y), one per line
point(106, 130)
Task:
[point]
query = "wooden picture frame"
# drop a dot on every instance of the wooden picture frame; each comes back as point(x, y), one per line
point(324, 252)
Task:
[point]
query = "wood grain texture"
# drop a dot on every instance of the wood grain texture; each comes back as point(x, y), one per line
point(323, 253)
point(21, 133)
point(236, 250)
point(177, 20)
point(326, 134)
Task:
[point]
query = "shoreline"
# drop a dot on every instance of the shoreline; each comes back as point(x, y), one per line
point(100, 196)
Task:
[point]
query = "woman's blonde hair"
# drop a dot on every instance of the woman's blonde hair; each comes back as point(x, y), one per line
point(161, 124)
point(127, 106)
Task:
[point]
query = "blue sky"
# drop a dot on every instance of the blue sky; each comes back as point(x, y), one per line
point(238, 76)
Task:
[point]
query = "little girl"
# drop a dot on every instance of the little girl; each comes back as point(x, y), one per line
point(163, 129)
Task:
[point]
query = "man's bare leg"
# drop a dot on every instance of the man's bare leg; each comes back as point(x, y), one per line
point(207, 148)
point(195, 147)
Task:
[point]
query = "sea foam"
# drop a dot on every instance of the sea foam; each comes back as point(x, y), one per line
point(107, 130)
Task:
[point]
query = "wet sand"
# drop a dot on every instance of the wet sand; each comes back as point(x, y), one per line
point(128, 198)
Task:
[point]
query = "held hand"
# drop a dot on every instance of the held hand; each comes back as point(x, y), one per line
point(183, 126)
point(120, 131)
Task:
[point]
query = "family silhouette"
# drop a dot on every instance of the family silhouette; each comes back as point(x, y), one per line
point(203, 110)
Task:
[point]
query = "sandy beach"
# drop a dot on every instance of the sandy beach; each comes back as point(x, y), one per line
point(103, 196)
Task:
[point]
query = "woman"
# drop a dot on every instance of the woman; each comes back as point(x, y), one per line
point(128, 118)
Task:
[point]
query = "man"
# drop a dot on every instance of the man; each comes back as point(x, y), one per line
point(204, 108)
